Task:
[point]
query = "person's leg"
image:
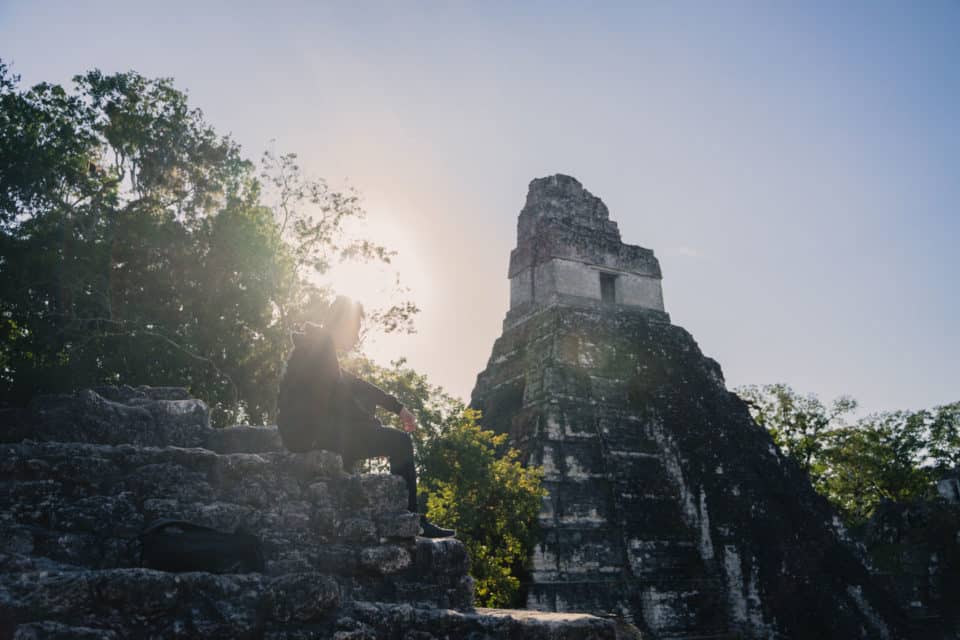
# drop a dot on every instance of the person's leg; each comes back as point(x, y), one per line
point(371, 440)
point(398, 446)
point(296, 433)
point(374, 441)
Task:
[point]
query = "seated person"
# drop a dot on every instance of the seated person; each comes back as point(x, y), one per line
point(324, 407)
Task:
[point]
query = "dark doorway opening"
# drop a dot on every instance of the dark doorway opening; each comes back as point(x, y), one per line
point(608, 288)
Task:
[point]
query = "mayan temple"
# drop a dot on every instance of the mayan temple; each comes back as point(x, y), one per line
point(667, 504)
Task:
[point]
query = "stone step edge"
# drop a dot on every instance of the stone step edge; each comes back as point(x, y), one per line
point(22, 597)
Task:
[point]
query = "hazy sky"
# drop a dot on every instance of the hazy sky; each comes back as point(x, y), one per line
point(794, 165)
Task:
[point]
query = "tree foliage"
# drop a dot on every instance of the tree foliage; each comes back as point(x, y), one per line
point(470, 480)
point(797, 423)
point(490, 497)
point(894, 455)
point(311, 218)
point(138, 246)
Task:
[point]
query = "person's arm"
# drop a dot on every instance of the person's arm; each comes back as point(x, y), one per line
point(370, 395)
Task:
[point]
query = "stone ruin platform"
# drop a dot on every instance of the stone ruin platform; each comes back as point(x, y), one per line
point(83, 474)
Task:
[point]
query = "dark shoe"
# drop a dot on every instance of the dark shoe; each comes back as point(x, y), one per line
point(430, 530)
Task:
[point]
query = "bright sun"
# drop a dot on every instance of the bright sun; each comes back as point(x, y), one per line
point(379, 285)
point(373, 284)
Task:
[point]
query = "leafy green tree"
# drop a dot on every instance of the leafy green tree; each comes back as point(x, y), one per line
point(115, 265)
point(138, 246)
point(311, 218)
point(895, 455)
point(797, 423)
point(472, 484)
point(877, 459)
point(941, 426)
point(470, 480)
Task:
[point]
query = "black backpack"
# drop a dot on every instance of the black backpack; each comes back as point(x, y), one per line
point(177, 546)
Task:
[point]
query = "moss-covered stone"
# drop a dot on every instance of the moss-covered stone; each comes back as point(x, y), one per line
point(667, 503)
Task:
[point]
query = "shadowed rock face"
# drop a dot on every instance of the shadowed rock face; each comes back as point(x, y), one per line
point(915, 553)
point(76, 497)
point(149, 416)
point(667, 502)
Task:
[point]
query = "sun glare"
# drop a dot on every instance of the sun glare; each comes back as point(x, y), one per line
point(377, 284)
point(373, 284)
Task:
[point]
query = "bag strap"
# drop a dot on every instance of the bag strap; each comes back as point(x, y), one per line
point(164, 523)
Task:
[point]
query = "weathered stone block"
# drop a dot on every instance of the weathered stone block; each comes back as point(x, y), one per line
point(402, 524)
point(244, 439)
point(385, 559)
point(134, 417)
point(167, 480)
point(319, 494)
point(373, 494)
point(357, 531)
point(581, 503)
point(445, 556)
point(575, 553)
point(340, 559)
point(653, 558)
point(309, 466)
point(301, 597)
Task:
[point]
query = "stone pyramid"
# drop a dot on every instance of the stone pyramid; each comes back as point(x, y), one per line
point(667, 504)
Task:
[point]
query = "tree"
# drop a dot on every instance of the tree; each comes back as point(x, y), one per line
point(476, 486)
point(877, 459)
point(110, 203)
point(797, 423)
point(941, 425)
point(470, 480)
point(311, 217)
point(894, 455)
point(138, 246)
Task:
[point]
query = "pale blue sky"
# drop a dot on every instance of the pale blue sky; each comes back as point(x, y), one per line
point(793, 165)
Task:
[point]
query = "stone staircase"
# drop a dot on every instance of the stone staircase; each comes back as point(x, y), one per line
point(83, 474)
point(667, 504)
point(616, 535)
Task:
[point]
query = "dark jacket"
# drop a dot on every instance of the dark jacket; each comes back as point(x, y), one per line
point(317, 397)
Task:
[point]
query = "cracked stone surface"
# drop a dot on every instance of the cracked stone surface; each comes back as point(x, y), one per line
point(80, 480)
point(667, 504)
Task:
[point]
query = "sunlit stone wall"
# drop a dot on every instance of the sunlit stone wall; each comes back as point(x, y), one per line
point(565, 241)
point(558, 280)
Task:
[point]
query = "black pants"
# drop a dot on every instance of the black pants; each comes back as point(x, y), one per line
point(365, 437)
point(352, 431)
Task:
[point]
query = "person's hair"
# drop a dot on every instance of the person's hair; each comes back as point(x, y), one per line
point(342, 309)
